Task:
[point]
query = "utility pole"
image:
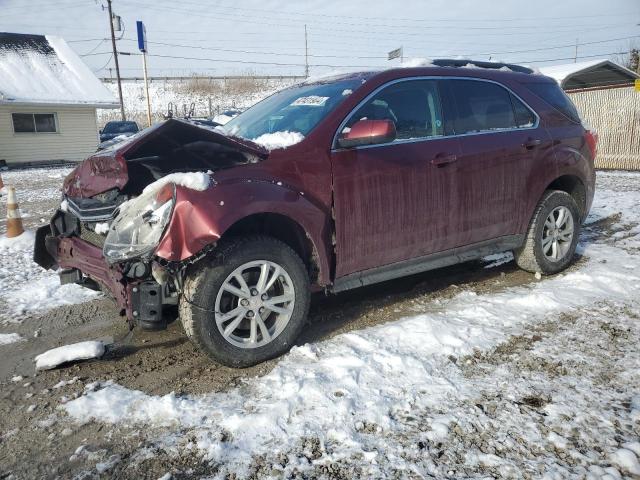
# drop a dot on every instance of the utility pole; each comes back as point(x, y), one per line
point(306, 53)
point(115, 57)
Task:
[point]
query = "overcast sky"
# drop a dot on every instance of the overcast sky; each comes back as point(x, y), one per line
point(223, 37)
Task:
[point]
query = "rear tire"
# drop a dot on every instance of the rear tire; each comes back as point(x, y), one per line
point(248, 304)
point(552, 236)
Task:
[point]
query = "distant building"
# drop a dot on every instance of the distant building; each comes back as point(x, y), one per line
point(592, 74)
point(604, 94)
point(48, 101)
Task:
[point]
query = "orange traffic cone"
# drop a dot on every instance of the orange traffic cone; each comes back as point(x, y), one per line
point(14, 218)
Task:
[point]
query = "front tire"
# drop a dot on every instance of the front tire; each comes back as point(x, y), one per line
point(552, 236)
point(248, 303)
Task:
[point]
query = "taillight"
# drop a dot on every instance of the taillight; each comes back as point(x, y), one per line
point(591, 137)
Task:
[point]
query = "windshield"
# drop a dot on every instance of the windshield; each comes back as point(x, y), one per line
point(120, 127)
point(298, 109)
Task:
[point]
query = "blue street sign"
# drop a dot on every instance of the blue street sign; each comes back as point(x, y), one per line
point(142, 36)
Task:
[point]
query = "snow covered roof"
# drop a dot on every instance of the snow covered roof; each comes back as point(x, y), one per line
point(42, 69)
point(593, 73)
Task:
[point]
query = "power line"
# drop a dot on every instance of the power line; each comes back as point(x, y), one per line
point(177, 57)
point(420, 20)
point(378, 57)
point(261, 21)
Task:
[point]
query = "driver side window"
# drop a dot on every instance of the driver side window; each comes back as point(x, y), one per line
point(412, 105)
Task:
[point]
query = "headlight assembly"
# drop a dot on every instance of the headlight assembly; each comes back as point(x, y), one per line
point(137, 229)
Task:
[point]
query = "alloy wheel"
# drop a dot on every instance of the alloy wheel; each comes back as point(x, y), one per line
point(557, 235)
point(254, 304)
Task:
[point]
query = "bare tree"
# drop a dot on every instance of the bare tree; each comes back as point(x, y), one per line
point(631, 57)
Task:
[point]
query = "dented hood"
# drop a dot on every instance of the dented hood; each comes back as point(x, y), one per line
point(169, 147)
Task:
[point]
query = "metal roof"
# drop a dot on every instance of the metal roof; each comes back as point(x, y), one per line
point(44, 70)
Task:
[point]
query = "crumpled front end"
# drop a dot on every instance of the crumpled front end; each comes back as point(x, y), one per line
point(118, 205)
point(75, 241)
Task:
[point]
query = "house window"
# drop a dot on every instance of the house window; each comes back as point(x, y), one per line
point(34, 122)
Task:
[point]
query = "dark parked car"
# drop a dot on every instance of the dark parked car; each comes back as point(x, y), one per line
point(117, 128)
point(393, 173)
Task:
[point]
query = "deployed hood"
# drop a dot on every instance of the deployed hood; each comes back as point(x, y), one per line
point(169, 147)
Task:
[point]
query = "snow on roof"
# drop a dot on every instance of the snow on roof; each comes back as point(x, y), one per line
point(560, 73)
point(42, 69)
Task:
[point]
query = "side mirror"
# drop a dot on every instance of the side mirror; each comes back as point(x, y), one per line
point(368, 132)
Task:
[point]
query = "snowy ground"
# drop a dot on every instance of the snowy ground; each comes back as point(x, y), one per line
point(469, 372)
point(24, 286)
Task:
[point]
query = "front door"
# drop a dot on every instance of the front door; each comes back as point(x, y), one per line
point(392, 200)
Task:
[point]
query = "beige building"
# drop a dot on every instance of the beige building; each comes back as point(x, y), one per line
point(48, 101)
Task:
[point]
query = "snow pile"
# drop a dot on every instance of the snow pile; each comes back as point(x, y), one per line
point(26, 287)
point(15, 244)
point(69, 353)
point(60, 78)
point(101, 228)
point(275, 140)
point(7, 338)
point(199, 181)
point(626, 460)
point(417, 62)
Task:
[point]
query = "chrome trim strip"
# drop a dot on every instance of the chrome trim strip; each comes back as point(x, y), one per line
point(336, 148)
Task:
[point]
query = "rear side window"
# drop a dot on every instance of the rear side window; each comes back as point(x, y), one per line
point(413, 106)
point(481, 107)
point(555, 96)
point(523, 116)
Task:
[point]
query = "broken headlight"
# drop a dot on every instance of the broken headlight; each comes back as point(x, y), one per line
point(138, 227)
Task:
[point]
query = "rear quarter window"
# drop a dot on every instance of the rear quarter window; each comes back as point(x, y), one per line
point(555, 96)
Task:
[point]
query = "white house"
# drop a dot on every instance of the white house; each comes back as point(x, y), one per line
point(48, 101)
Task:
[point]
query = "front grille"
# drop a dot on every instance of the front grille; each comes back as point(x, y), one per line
point(92, 237)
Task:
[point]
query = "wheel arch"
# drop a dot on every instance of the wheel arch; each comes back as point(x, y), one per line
point(284, 229)
point(574, 186)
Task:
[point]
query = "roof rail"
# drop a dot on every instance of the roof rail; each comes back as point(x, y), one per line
point(450, 62)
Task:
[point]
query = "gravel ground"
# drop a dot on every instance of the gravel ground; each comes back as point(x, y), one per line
point(35, 442)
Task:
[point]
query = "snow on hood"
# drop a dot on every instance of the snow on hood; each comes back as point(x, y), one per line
point(56, 75)
point(275, 140)
point(199, 181)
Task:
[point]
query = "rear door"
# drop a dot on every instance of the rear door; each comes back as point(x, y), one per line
point(500, 141)
point(391, 201)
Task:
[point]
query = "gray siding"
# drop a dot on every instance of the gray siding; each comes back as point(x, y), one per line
point(77, 136)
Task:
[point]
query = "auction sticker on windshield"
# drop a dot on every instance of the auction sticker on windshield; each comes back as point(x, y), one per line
point(310, 101)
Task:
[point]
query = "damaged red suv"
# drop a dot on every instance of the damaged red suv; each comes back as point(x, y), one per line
point(327, 185)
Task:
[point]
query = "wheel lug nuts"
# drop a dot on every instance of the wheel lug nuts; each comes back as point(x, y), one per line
point(244, 302)
point(265, 296)
point(250, 314)
point(261, 310)
point(254, 292)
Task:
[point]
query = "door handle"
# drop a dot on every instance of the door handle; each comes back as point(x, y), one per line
point(532, 143)
point(442, 159)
